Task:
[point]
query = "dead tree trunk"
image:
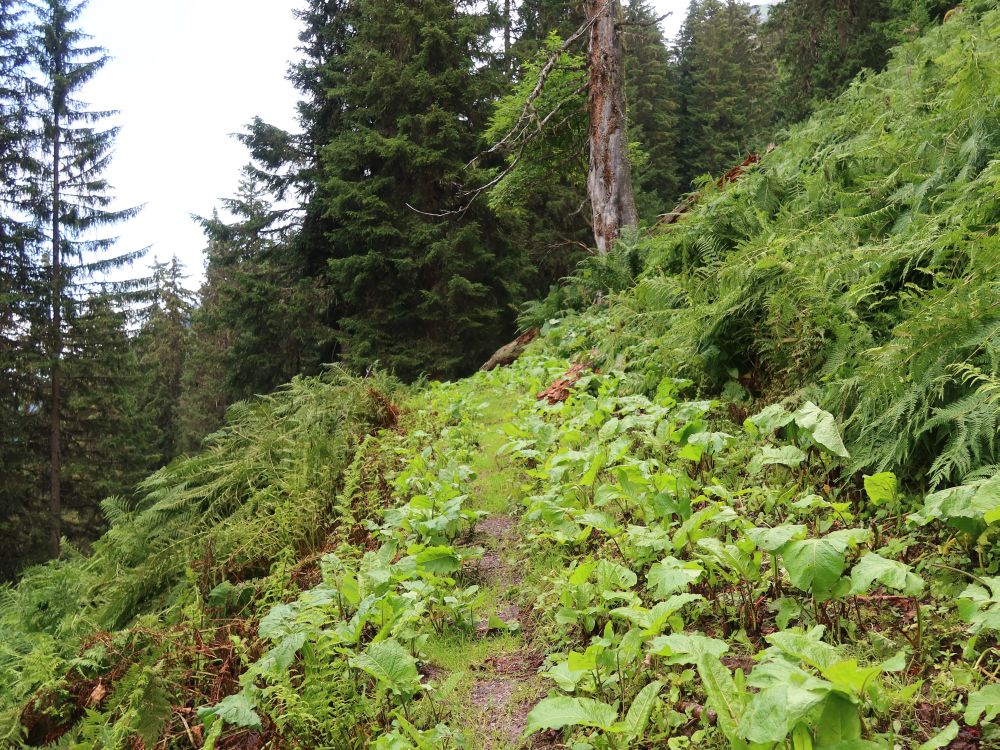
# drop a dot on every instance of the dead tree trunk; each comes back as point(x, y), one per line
point(55, 413)
point(506, 35)
point(609, 183)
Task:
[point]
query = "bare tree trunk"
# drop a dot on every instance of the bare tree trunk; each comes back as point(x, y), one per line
point(506, 35)
point(55, 439)
point(609, 183)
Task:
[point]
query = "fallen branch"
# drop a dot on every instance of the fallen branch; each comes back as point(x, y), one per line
point(543, 77)
point(509, 353)
point(559, 391)
point(732, 175)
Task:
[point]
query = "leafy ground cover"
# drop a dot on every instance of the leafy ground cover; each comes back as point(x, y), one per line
point(609, 571)
point(756, 508)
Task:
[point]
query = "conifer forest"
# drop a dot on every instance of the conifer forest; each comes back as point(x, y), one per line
point(555, 382)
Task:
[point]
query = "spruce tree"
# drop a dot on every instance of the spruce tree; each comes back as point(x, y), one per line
point(22, 312)
point(536, 20)
point(261, 294)
point(416, 293)
point(260, 318)
point(109, 442)
point(821, 45)
point(724, 85)
point(71, 203)
point(202, 406)
point(651, 88)
point(162, 345)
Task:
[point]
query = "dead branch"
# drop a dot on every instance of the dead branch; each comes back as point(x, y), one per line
point(536, 92)
point(522, 145)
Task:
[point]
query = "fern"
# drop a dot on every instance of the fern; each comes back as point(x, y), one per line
point(261, 491)
point(862, 255)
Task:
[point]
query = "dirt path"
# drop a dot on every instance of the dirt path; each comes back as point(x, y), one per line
point(497, 672)
point(506, 685)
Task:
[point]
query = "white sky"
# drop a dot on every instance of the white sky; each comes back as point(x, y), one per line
point(185, 75)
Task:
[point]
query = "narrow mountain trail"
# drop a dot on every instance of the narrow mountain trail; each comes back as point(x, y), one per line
point(492, 681)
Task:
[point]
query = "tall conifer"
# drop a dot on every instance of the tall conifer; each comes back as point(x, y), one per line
point(651, 88)
point(417, 293)
point(22, 312)
point(724, 81)
point(163, 344)
point(71, 202)
point(820, 45)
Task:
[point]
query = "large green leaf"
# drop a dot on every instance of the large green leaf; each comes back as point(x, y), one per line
point(772, 418)
point(770, 540)
point(765, 719)
point(814, 565)
point(787, 455)
point(980, 605)
point(840, 722)
point(851, 678)
point(588, 661)
point(653, 621)
point(599, 520)
point(986, 501)
point(562, 711)
point(610, 576)
point(806, 646)
point(279, 622)
point(391, 665)
point(943, 738)
point(439, 560)
point(688, 648)
point(723, 695)
point(634, 724)
point(691, 452)
point(278, 659)
point(823, 428)
point(966, 507)
point(881, 488)
point(671, 575)
point(984, 703)
point(581, 573)
point(236, 709)
point(565, 677)
point(890, 573)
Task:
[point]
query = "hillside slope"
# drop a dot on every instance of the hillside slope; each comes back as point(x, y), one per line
point(671, 549)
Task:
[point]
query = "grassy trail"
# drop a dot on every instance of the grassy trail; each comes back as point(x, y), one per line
point(489, 680)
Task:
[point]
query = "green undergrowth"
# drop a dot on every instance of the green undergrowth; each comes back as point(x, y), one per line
point(684, 575)
point(857, 266)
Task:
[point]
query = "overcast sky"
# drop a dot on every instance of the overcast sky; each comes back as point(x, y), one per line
point(186, 74)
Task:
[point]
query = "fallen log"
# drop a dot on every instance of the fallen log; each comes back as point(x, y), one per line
point(731, 176)
point(509, 353)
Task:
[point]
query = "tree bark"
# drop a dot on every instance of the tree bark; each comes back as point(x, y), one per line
point(609, 183)
point(55, 438)
point(506, 36)
point(509, 353)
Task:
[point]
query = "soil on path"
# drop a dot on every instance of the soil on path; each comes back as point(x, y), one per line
point(506, 686)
